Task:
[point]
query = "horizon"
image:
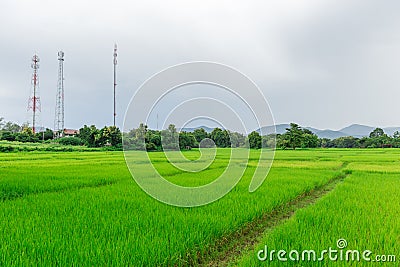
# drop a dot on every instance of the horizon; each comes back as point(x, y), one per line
point(206, 127)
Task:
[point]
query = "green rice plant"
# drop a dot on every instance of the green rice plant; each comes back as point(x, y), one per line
point(33, 173)
point(363, 210)
point(63, 216)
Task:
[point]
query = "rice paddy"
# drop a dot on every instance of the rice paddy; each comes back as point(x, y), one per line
point(84, 208)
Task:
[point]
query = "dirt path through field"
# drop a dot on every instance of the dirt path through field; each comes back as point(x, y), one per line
point(229, 248)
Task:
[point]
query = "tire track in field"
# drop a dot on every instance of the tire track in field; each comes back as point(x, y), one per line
point(227, 249)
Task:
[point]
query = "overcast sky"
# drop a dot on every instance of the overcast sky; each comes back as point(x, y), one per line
point(325, 64)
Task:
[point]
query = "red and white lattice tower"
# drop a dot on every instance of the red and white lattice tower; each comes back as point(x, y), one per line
point(34, 99)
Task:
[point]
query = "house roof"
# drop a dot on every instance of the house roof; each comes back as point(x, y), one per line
point(71, 131)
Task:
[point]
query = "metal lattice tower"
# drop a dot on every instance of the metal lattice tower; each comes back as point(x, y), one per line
point(59, 118)
point(34, 99)
point(115, 79)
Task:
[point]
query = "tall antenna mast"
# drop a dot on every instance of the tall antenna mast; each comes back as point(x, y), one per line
point(34, 100)
point(59, 118)
point(115, 79)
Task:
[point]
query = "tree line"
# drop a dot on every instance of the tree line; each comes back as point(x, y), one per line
point(297, 137)
point(89, 136)
point(11, 131)
point(143, 138)
point(294, 137)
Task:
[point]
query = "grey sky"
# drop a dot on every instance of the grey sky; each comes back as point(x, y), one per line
point(324, 64)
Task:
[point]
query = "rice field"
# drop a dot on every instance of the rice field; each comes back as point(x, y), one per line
point(84, 208)
point(363, 210)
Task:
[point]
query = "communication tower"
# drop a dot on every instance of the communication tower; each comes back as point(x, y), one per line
point(59, 118)
point(115, 79)
point(34, 99)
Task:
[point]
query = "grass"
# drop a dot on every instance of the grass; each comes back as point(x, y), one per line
point(33, 173)
point(7, 146)
point(364, 210)
point(84, 208)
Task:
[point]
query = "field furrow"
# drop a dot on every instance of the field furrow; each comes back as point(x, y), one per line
point(363, 211)
point(244, 239)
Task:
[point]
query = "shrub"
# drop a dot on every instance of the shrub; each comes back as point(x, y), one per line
point(151, 147)
point(70, 141)
point(6, 149)
point(9, 136)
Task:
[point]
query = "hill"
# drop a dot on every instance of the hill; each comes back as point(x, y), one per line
point(355, 130)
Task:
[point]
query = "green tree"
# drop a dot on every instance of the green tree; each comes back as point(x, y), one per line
point(187, 140)
point(70, 141)
point(269, 140)
point(11, 127)
point(309, 139)
point(396, 139)
point(294, 135)
point(46, 135)
point(115, 136)
point(102, 137)
point(89, 135)
point(364, 142)
point(220, 137)
point(26, 135)
point(376, 133)
point(255, 140)
point(154, 137)
point(282, 141)
point(109, 136)
point(170, 138)
point(84, 134)
point(200, 134)
point(346, 142)
point(237, 139)
point(151, 147)
point(8, 136)
point(379, 138)
point(139, 140)
point(141, 131)
point(325, 142)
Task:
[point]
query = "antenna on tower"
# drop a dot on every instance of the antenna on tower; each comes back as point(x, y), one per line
point(34, 100)
point(59, 116)
point(115, 79)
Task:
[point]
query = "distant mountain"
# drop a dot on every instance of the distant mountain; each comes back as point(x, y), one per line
point(191, 129)
point(330, 134)
point(391, 130)
point(279, 129)
point(355, 130)
point(314, 130)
